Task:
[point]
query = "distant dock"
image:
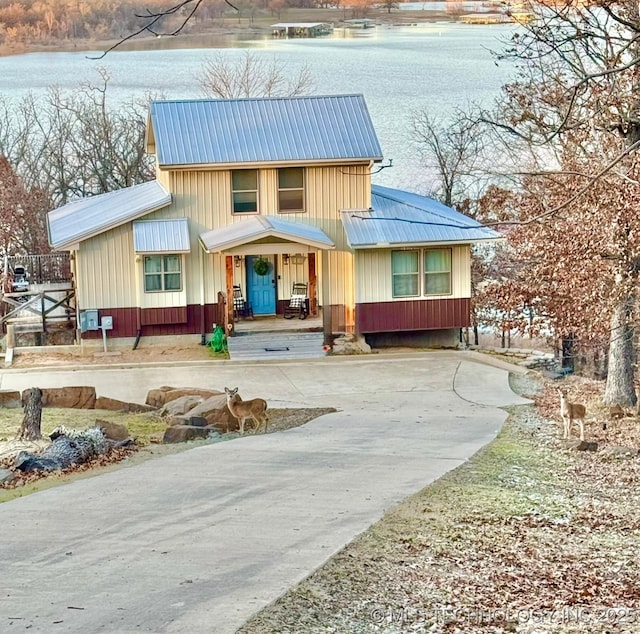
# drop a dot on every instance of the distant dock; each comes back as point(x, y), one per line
point(301, 29)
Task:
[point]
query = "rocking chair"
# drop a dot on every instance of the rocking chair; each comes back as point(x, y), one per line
point(241, 308)
point(299, 302)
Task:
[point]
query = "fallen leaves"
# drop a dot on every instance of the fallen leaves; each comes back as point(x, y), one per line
point(528, 536)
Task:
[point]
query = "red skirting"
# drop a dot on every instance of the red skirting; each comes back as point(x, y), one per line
point(410, 315)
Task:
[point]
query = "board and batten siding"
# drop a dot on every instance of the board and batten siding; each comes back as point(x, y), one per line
point(374, 281)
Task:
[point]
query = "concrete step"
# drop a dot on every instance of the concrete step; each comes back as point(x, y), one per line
point(276, 345)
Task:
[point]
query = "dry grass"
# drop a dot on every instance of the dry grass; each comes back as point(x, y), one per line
point(527, 536)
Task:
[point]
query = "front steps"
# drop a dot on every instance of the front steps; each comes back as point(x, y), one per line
point(276, 345)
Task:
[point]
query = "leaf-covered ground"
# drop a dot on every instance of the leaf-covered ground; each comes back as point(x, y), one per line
point(527, 536)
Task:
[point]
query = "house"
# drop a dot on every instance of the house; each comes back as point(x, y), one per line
point(278, 183)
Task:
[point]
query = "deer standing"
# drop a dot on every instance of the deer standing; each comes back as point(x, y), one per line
point(255, 408)
point(570, 412)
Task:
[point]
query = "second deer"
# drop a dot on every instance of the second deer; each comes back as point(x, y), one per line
point(571, 412)
point(256, 409)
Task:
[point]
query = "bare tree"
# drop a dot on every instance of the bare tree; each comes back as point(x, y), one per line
point(576, 106)
point(452, 150)
point(252, 76)
point(75, 144)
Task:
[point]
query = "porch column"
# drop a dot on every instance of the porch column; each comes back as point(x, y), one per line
point(228, 307)
point(313, 285)
point(326, 304)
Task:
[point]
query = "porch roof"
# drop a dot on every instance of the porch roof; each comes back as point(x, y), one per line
point(400, 218)
point(261, 227)
point(161, 236)
point(87, 217)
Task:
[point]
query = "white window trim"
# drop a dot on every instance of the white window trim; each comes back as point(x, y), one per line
point(422, 272)
point(293, 189)
point(162, 273)
point(245, 191)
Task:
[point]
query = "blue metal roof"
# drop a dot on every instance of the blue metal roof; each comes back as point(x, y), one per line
point(161, 236)
point(230, 131)
point(401, 218)
point(87, 217)
point(260, 227)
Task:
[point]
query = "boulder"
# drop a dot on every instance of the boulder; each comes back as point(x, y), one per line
point(6, 476)
point(162, 396)
point(113, 431)
point(83, 397)
point(350, 344)
point(582, 445)
point(10, 398)
point(181, 405)
point(155, 398)
point(184, 433)
point(114, 405)
point(215, 410)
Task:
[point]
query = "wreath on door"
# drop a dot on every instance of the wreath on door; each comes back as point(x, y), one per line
point(261, 266)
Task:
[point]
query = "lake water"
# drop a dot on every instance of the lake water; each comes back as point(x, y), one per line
point(432, 66)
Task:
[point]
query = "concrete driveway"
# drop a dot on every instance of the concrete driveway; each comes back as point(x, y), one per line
point(199, 541)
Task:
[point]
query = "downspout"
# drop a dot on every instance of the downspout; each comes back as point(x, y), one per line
point(138, 327)
point(203, 326)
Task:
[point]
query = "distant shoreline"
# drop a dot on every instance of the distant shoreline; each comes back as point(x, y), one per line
point(230, 32)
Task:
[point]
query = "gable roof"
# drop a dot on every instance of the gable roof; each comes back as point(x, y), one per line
point(400, 218)
point(87, 217)
point(266, 130)
point(260, 227)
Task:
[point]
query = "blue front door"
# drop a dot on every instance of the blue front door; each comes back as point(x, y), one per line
point(261, 289)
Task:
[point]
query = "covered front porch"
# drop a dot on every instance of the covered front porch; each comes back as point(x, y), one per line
point(271, 273)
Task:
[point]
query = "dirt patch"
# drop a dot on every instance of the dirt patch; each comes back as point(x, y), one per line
point(527, 536)
point(127, 356)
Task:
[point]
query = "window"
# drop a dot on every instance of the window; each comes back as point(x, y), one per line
point(162, 273)
point(405, 273)
point(437, 271)
point(291, 189)
point(244, 184)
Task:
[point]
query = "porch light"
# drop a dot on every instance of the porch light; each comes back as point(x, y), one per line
point(285, 258)
point(237, 259)
point(298, 258)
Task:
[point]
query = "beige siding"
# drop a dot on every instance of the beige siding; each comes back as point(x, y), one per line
point(106, 265)
point(112, 277)
point(373, 281)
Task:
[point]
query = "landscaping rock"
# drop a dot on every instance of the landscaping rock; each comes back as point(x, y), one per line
point(113, 431)
point(215, 410)
point(10, 398)
point(350, 344)
point(83, 397)
point(582, 445)
point(114, 405)
point(184, 433)
point(155, 398)
point(159, 398)
point(181, 405)
point(6, 476)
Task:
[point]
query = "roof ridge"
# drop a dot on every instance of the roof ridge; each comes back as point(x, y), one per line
point(294, 98)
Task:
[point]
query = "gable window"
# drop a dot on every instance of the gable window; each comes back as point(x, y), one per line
point(405, 266)
point(437, 271)
point(244, 185)
point(162, 273)
point(291, 190)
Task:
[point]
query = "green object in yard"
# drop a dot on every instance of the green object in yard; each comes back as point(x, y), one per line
point(219, 340)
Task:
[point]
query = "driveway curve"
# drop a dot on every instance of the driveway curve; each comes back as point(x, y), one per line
point(200, 540)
